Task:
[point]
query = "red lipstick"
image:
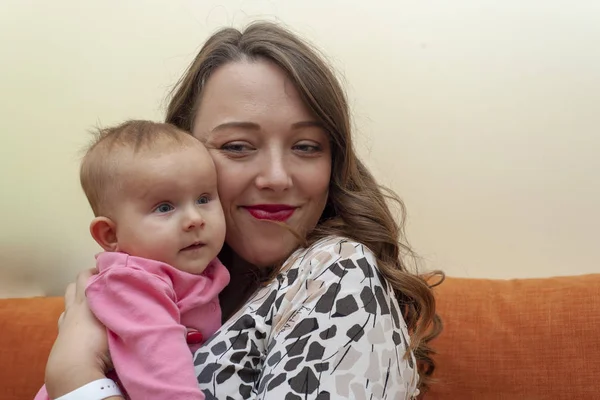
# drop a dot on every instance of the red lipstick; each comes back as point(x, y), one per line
point(271, 212)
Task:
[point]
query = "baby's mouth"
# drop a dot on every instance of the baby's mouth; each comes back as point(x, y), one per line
point(193, 246)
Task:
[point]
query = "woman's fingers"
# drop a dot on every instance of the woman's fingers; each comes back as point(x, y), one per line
point(75, 291)
point(80, 352)
point(60, 319)
point(82, 281)
point(69, 295)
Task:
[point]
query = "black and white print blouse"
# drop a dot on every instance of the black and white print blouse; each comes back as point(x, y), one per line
point(328, 327)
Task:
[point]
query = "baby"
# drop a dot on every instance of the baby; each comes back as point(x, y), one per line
point(153, 190)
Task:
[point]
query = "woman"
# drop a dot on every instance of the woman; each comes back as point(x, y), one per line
point(320, 303)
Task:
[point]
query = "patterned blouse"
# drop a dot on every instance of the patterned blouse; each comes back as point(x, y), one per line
point(327, 327)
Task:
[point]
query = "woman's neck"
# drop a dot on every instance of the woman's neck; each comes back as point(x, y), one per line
point(245, 279)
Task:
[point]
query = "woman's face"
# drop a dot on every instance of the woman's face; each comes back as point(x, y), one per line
point(273, 158)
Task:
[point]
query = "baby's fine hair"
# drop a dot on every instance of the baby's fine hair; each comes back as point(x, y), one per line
point(100, 164)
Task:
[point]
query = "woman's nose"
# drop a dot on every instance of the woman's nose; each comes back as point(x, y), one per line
point(193, 219)
point(275, 174)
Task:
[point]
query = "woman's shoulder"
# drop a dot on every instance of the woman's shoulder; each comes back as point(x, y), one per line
point(329, 250)
point(338, 245)
point(329, 320)
point(332, 253)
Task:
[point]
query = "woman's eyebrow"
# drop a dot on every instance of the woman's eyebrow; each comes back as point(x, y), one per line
point(256, 127)
point(237, 124)
point(307, 124)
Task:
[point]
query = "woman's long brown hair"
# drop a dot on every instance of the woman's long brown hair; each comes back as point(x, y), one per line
point(358, 208)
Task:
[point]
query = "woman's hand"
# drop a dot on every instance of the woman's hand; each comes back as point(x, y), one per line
point(80, 352)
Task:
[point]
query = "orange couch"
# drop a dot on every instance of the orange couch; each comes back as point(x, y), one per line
point(520, 339)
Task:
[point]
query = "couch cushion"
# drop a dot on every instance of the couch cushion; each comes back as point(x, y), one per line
point(519, 339)
point(28, 328)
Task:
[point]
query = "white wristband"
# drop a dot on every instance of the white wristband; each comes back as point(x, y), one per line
point(96, 390)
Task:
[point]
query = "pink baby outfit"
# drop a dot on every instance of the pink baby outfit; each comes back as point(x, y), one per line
point(146, 306)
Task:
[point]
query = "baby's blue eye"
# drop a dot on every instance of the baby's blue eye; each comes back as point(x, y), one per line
point(163, 208)
point(203, 200)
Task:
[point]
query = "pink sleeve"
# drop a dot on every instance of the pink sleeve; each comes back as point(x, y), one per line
point(146, 340)
point(42, 394)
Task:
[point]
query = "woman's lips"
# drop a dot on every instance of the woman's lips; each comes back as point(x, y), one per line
point(271, 212)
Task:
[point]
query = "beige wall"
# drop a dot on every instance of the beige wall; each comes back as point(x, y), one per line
point(484, 116)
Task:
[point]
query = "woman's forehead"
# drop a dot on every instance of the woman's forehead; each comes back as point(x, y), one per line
point(252, 92)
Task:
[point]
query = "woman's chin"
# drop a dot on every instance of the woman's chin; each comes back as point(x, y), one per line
point(267, 253)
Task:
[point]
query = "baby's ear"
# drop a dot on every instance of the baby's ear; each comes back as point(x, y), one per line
point(104, 232)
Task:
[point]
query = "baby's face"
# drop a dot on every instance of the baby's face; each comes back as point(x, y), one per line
point(169, 208)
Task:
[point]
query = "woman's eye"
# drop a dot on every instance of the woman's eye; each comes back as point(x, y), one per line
point(163, 208)
point(203, 200)
point(307, 148)
point(236, 147)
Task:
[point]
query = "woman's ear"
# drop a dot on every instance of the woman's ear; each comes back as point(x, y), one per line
point(104, 232)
